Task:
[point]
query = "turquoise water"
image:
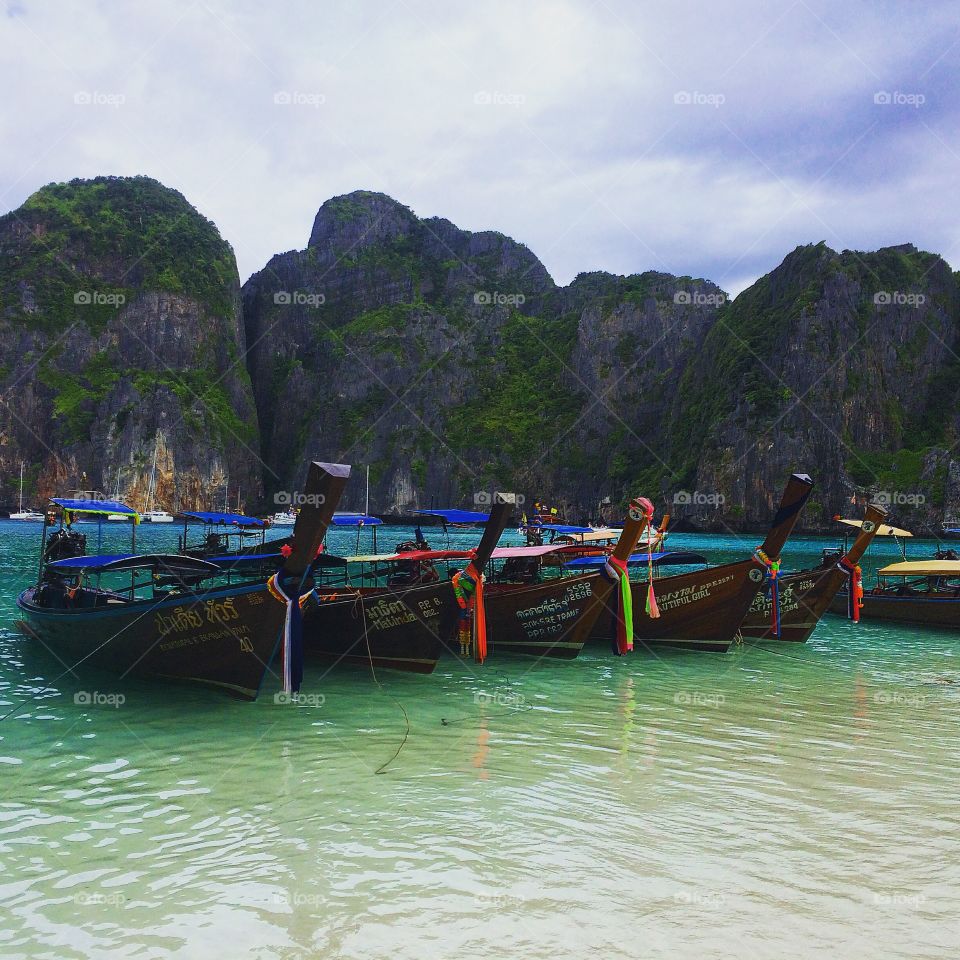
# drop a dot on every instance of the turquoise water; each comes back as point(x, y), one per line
point(770, 802)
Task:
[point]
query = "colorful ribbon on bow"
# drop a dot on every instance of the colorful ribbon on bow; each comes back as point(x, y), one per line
point(291, 647)
point(616, 572)
point(771, 588)
point(646, 507)
point(854, 588)
point(468, 589)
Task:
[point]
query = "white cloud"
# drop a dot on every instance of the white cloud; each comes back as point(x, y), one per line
point(555, 122)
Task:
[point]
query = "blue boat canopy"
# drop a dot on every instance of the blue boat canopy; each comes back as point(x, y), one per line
point(666, 559)
point(355, 520)
point(231, 519)
point(558, 528)
point(456, 516)
point(102, 507)
point(169, 562)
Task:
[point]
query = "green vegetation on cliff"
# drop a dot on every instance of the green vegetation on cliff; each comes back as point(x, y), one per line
point(73, 244)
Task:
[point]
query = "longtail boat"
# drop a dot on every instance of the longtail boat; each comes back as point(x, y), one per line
point(922, 592)
point(180, 623)
point(793, 606)
point(553, 617)
point(703, 609)
point(397, 620)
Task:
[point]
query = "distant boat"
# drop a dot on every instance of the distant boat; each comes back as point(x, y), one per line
point(283, 519)
point(29, 516)
point(150, 515)
point(156, 516)
point(950, 530)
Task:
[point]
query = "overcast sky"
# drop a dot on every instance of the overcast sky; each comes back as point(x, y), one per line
point(695, 138)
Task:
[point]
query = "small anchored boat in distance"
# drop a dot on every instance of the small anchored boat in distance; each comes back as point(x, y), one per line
point(922, 592)
point(183, 622)
point(25, 516)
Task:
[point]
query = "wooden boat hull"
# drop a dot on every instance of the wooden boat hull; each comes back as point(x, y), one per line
point(701, 610)
point(941, 612)
point(219, 637)
point(804, 598)
point(552, 618)
point(398, 628)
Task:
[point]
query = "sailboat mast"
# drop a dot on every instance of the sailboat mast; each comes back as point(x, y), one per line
point(21, 486)
point(153, 478)
point(366, 505)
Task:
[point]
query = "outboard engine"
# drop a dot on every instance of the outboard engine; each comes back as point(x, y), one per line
point(63, 544)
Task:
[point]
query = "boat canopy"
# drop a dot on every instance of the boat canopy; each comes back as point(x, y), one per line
point(508, 553)
point(100, 507)
point(355, 520)
point(884, 530)
point(456, 516)
point(231, 519)
point(558, 527)
point(671, 558)
point(158, 562)
point(417, 556)
point(595, 534)
point(922, 568)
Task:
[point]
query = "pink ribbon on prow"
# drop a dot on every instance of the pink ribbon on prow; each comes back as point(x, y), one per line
point(647, 508)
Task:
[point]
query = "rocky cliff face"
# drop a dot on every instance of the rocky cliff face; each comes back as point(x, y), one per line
point(121, 344)
point(451, 364)
point(845, 364)
point(379, 343)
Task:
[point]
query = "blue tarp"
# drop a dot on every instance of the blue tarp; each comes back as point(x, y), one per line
point(131, 561)
point(558, 528)
point(457, 516)
point(355, 520)
point(233, 519)
point(669, 558)
point(94, 506)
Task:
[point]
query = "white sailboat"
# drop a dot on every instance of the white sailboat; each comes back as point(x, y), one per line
point(117, 517)
point(29, 516)
point(150, 515)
